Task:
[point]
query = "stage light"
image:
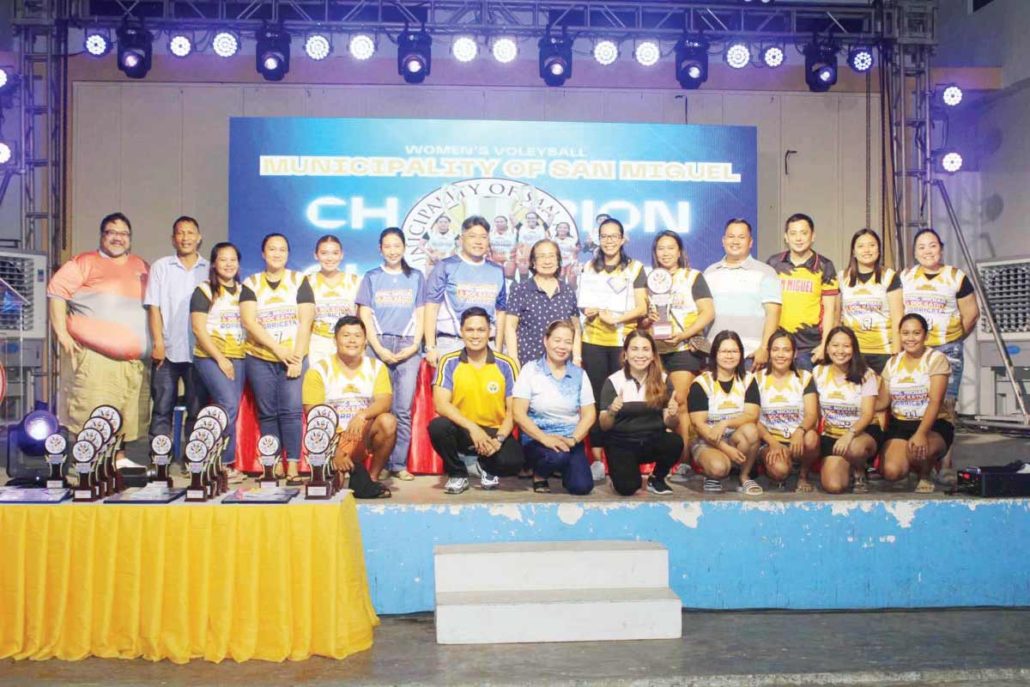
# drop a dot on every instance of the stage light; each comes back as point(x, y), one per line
point(414, 56)
point(605, 52)
point(272, 53)
point(135, 47)
point(180, 45)
point(555, 60)
point(317, 46)
point(35, 428)
point(772, 56)
point(464, 49)
point(6, 153)
point(692, 61)
point(820, 67)
point(860, 59)
point(647, 53)
point(362, 46)
point(225, 44)
point(738, 55)
point(97, 44)
point(6, 79)
point(948, 161)
point(951, 95)
point(505, 49)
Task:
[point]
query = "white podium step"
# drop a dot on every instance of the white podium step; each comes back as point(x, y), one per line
point(550, 565)
point(560, 615)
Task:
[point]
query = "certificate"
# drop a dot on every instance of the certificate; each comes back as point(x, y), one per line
point(604, 291)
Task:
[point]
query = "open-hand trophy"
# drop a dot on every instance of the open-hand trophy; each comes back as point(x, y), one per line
point(268, 454)
point(55, 447)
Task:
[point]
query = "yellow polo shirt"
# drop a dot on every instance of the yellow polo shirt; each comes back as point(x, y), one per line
point(479, 393)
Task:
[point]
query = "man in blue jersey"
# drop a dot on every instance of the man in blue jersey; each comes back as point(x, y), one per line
point(460, 282)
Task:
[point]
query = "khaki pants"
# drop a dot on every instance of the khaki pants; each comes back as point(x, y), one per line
point(93, 379)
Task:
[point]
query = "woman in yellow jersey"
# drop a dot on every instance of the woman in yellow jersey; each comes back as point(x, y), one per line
point(847, 397)
point(691, 309)
point(789, 412)
point(724, 406)
point(921, 428)
point(612, 278)
point(335, 294)
point(218, 353)
point(944, 297)
point(277, 308)
point(870, 300)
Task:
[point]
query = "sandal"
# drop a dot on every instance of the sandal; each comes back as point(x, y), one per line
point(750, 487)
point(540, 486)
point(804, 487)
point(383, 493)
point(279, 471)
point(925, 486)
point(525, 473)
point(861, 485)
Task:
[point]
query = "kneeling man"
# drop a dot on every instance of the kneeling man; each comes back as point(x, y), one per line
point(358, 388)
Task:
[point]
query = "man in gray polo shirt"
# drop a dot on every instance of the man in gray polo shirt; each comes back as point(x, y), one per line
point(746, 293)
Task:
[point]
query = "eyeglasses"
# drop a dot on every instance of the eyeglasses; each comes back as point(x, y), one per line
point(610, 237)
point(111, 232)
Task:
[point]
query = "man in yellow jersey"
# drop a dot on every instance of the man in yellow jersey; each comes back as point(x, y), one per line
point(358, 388)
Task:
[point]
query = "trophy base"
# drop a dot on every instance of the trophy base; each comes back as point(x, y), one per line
point(56, 484)
point(316, 491)
point(84, 495)
point(162, 480)
point(268, 484)
point(661, 331)
point(196, 495)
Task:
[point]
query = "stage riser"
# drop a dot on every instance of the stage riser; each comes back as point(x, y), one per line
point(735, 555)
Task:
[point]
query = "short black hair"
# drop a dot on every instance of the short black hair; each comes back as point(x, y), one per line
point(799, 217)
point(474, 311)
point(475, 221)
point(115, 217)
point(739, 220)
point(185, 218)
point(348, 320)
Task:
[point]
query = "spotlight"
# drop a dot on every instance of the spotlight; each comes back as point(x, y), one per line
point(225, 44)
point(180, 45)
point(6, 79)
point(464, 49)
point(606, 52)
point(647, 53)
point(362, 46)
point(135, 47)
point(820, 67)
point(772, 56)
point(505, 49)
point(738, 55)
point(97, 44)
point(35, 428)
point(950, 95)
point(860, 59)
point(692, 61)
point(555, 60)
point(272, 53)
point(414, 56)
point(6, 152)
point(317, 46)
point(948, 161)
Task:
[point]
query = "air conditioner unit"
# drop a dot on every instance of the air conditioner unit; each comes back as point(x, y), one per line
point(23, 304)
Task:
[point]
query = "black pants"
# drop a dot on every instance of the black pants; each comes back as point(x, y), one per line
point(625, 457)
point(450, 440)
point(600, 362)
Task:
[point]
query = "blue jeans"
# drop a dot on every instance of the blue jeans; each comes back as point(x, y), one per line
point(573, 466)
point(953, 352)
point(164, 390)
point(803, 360)
point(226, 393)
point(403, 379)
point(278, 401)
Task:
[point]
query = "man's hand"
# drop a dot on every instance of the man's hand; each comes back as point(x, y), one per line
point(432, 357)
point(761, 357)
point(484, 444)
point(356, 427)
point(68, 344)
point(157, 353)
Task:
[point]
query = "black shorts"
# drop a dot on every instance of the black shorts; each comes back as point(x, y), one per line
point(683, 361)
point(827, 442)
point(877, 361)
point(904, 429)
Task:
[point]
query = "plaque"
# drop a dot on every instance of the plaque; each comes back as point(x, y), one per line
point(55, 446)
point(161, 455)
point(659, 286)
point(317, 442)
point(268, 455)
point(196, 459)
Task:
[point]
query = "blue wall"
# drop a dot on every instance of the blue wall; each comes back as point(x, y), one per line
point(733, 554)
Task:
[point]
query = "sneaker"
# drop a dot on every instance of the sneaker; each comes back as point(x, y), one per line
point(873, 475)
point(658, 486)
point(597, 471)
point(488, 481)
point(713, 486)
point(456, 485)
point(127, 464)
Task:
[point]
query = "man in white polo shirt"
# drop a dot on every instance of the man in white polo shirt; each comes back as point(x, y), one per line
point(746, 293)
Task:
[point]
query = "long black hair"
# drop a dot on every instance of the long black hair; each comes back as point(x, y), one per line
point(782, 333)
point(852, 270)
point(212, 274)
point(598, 262)
point(857, 368)
point(396, 231)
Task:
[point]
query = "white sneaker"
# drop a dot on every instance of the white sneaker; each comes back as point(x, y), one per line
point(456, 485)
point(488, 481)
point(597, 471)
point(127, 464)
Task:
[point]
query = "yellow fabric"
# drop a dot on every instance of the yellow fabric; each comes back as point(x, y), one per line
point(908, 382)
point(783, 402)
point(277, 311)
point(682, 309)
point(181, 581)
point(223, 323)
point(936, 299)
point(333, 302)
point(623, 300)
point(347, 392)
point(864, 307)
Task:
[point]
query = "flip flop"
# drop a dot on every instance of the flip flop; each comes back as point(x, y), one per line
point(750, 488)
point(925, 486)
point(804, 487)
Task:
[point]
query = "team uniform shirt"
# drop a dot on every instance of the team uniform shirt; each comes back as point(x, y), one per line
point(502, 246)
point(348, 392)
point(553, 403)
point(840, 401)
point(864, 308)
point(536, 310)
point(224, 325)
point(909, 384)
point(635, 421)
point(458, 284)
point(623, 282)
point(441, 245)
point(479, 393)
point(277, 311)
point(688, 287)
point(528, 236)
point(740, 293)
point(935, 296)
point(568, 247)
point(803, 287)
point(722, 400)
point(105, 303)
point(393, 298)
point(783, 401)
point(170, 286)
point(332, 302)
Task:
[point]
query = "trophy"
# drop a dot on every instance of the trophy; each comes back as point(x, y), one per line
point(323, 417)
point(215, 419)
point(98, 475)
point(105, 454)
point(161, 454)
point(196, 457)
point(659, 284)
point(206, 437)
point(114, 419)
point(55, 447)
point(268, 452)
point(83, 454)
point(317, 442)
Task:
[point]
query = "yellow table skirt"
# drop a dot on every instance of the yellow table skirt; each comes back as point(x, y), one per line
point(183, 581)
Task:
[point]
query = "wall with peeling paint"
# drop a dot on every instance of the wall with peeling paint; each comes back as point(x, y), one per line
point(734, 555)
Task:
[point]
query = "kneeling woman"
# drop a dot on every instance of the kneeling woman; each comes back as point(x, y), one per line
point(790, 411)
point(637, 407)
point(847, 397)
point(914, 384)
point(724, 406)
point(553, 405)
